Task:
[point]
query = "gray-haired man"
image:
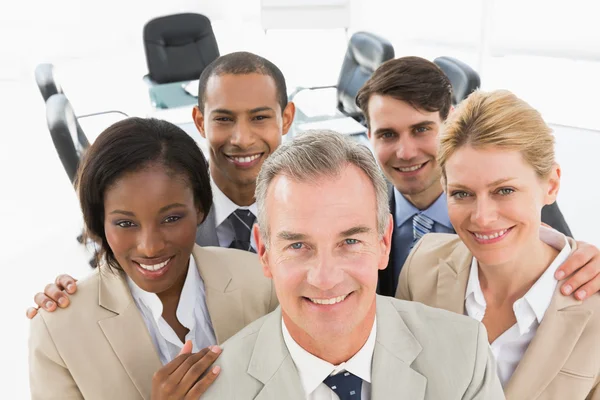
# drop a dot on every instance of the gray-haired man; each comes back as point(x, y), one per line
point(332, 333)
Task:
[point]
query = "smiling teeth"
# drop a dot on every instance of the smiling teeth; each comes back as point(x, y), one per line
point(333, 300)
point(488, 237)
point(155, 267)
point(410, 169)
point(246, 159)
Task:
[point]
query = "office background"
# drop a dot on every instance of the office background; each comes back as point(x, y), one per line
point(546, 52)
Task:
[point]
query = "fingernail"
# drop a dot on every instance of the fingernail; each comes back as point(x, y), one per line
point(216, 370)
point(62, 301)
point(70, 287)
point(568, 289)
point(580, 294)
point(560, 275)
point(215, 349)
point(48, 305)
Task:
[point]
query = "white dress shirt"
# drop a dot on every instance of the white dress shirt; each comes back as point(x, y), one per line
point(191, 313)
point(313, 370)
point(529, 310)
point(223, 209)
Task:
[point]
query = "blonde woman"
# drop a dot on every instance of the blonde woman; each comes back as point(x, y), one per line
point(498, 170)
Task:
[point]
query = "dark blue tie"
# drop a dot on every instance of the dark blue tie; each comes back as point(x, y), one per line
point(345, 385)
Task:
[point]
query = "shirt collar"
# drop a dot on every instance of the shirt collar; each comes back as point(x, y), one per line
point(535, 303)
point(187, 301)
point(438, 211)
point(313, 370)
point(224, 206)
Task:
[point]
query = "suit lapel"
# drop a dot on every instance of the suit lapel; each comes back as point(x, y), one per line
point(395, 350)
point(272, 365)
point(206, 235)
point(453, 276)
point(127, 333)
point(553, 343)
point(223, 298)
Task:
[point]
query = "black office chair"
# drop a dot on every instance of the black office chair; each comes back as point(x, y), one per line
point(365, 53)
point(463, 78)
point(178, 47)
point(62, 124)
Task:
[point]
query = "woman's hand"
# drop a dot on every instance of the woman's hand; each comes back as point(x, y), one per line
point(188, 376)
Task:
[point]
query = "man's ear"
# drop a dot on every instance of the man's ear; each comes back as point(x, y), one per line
point(386, 242)
point(553, 185)
point(288, 117)
point(199, 120)
point(261, 250)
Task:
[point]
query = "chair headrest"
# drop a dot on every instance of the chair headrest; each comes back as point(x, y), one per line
point(46, 81)
point(370, 50)
point(463, 78)
point(177, 29)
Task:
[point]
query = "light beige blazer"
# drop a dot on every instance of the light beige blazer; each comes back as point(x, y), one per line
point(99, 347)
point(563, 359)
point(412, 358)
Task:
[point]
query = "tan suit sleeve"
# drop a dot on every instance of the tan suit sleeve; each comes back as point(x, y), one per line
point(485, 384)
point(403, 290)
point(49, 377)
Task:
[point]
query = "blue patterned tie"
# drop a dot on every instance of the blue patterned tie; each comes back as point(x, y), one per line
point(346, 385)
point(422, 224)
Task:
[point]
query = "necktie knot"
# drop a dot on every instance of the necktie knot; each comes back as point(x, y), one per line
point(241, 221)
point(345, 384)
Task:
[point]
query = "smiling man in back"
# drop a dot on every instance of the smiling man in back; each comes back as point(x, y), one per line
point(243, 113)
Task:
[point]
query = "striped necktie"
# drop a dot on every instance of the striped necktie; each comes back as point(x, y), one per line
point(242, 221)
point(422, 224)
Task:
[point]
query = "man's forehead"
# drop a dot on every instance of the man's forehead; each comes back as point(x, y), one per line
point(219, 85)
point(385, 109)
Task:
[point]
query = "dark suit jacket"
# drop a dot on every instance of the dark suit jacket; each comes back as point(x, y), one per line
point(551, 215)
point(206, 235)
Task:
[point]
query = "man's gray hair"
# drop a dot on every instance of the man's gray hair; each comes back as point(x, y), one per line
point(316, 154)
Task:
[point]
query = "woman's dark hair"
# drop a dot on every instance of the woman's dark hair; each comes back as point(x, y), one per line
point(131, 145)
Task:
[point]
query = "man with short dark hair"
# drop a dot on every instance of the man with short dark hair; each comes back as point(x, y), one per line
point(406, 102)
point(243, 113)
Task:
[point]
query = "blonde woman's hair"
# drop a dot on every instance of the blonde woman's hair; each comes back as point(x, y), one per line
point(502, 120)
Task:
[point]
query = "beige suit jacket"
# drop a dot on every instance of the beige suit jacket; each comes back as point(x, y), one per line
point(412, 358)
point(99, 347)
point(563, 359)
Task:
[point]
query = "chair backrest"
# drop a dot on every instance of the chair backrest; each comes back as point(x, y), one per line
point(463, 78)
point(65, 132)
point(178, 47)
point(46, 81)
point(365, 53)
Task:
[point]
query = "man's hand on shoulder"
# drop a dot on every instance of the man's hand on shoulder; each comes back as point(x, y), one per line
point(55, 295)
